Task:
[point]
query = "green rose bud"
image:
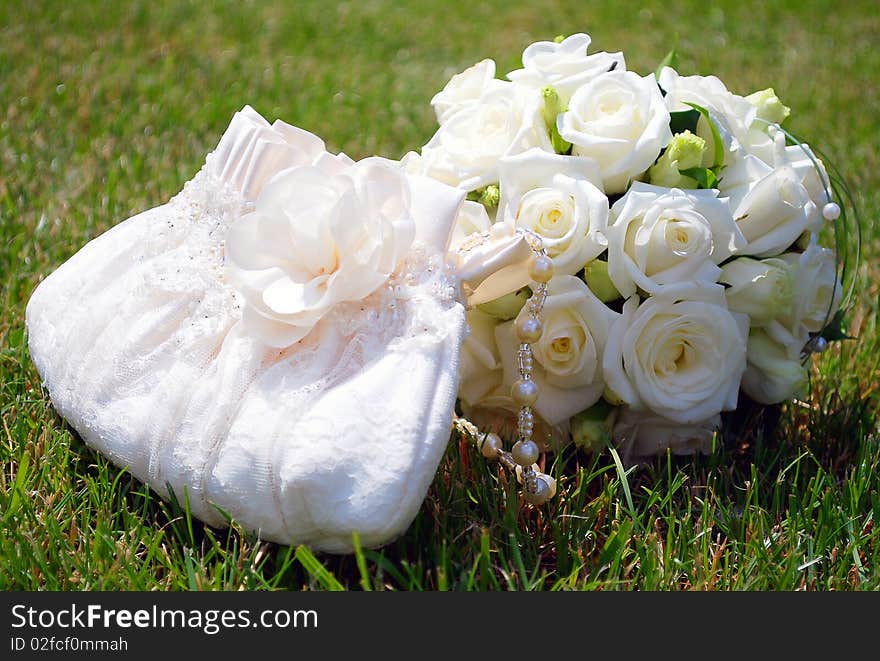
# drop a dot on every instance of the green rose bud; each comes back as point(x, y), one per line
point(591, 429)
point(684, 152)
point(761, 289)
point(490, 196)
point(508, 306)
point(551, 110)
point(770, 108)
point(597, 279)
point(611, 397)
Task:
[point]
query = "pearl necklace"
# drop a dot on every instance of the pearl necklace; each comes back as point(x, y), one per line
point(538, 487)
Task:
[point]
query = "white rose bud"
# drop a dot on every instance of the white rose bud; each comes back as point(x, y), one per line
point(774, 213)
point(480, 369)
point(564, 65)
point(731, 113)
point(591, 429)
point(817, 291)
point(638, 434)
point(760, 289)
point(772, 374)
point(465, 89)
point(620, 120)
point(468, 146)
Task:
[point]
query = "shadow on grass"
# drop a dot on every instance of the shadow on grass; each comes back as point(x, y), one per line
point(696, 522)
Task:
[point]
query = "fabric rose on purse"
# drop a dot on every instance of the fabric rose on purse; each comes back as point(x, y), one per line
point(318, 236)
point(557, 198)
point(659, 236)
point(680, 353)
point(618, 119)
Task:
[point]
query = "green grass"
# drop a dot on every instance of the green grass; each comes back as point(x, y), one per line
point(108, 108)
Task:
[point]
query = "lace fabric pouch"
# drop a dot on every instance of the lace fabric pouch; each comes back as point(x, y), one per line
point(304, 427)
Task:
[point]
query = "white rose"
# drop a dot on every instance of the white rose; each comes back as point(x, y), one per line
point(466, 149)
point(565, 66)
point(810, 172)
point(817, 290)
point(740, 175)
point(554, 196)
point(619, 120)
point(774, 213)
point(480, 369)
point(640, 434)
point(661, 236)
point(465, 89)
point(773, 374)
point(745, 170)
point(733, 115)
point(568, 357)
point(809, 168)
point(681, 353)
point(761, 289)
point(318, 236)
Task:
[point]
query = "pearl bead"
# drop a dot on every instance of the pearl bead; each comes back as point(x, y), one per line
point(524, 392)
point(491, 446)
point(831, 211)
point(529, 329)
point(551, 484)
point(541, 268)
point(525, 453)
point(541, 495)
point(819, 344)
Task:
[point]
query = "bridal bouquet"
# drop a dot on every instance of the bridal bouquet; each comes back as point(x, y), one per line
point(685, 228)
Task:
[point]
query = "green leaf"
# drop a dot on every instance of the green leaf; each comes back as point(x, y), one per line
point(684, 120)
point(671, 60)
point(18, 490)
point(716, 136)
point(834, 331)
point(704, 177)
point(316, 570)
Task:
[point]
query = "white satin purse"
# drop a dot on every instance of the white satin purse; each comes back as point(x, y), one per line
point(280, 341)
